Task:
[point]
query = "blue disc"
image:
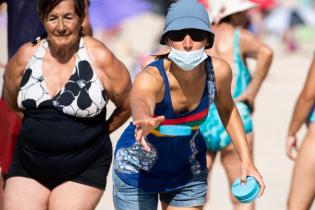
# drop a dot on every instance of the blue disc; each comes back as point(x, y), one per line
point(175, 130)
point(247, 193)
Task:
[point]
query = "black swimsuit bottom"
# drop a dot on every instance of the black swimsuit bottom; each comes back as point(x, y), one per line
point(54, 148)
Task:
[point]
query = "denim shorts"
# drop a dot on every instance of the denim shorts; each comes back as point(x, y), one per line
point(191, 194)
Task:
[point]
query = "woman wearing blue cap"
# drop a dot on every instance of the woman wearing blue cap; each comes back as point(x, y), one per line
point(176, 90)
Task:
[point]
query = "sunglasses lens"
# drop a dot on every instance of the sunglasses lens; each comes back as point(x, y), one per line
point(195, 34)
point(177, 36)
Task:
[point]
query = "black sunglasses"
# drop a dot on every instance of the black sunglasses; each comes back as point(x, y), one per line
point(195, 34)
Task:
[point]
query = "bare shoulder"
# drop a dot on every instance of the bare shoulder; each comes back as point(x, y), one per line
point(249, 39)
point(150, 74)
point(98, 52)
point(221, 68)
point(23, 55)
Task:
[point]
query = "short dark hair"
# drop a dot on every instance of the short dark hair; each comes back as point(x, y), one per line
point(44, 7)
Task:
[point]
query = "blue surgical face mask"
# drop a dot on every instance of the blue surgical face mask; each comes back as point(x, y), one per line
point(187, 60)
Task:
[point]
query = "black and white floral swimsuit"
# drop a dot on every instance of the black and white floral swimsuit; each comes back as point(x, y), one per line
point(64, 135)
point(82, 96)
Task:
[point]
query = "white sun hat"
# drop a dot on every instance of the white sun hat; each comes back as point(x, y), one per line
point(225, 8)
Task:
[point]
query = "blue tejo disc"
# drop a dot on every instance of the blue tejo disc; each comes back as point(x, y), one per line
point(175, 130)
point(247, 193)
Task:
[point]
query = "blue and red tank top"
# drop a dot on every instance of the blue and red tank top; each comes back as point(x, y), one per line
point(172, 161)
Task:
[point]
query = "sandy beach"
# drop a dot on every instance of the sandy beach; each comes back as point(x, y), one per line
point(274, 107)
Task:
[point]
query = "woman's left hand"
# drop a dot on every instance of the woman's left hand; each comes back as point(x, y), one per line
point(249, 169)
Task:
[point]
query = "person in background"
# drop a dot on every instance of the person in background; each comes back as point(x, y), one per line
point(61, 84)
point(130, 28)
point(235, 44)
point(302, 190)
point(176, 89)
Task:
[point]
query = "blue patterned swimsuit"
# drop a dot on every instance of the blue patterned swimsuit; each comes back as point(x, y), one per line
point(213, 130)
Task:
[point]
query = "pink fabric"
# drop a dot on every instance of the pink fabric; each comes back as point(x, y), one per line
point(265, 4)
point(205, 3)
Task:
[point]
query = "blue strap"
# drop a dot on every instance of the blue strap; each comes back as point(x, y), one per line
point(241, 75)
point(210, 80)
point(159, 64)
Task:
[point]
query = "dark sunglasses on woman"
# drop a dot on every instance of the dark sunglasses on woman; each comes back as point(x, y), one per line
point(195, 34)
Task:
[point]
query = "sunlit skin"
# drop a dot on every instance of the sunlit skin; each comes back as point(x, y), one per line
point(63, 26)
point(187, 44)
point(186, 94)
point(250, 47)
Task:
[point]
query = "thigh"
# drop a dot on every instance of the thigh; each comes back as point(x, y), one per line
point(189, 196)
point(302, 189)
point(231, 161)
point(25, 194)
point(72, 195)
point(128, 197)
point(232, 165)
point(168, 207)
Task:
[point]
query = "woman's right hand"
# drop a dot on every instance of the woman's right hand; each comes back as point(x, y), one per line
point(290, 145)
point(143, 128)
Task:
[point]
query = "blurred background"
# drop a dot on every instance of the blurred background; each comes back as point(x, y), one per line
point(132, 28)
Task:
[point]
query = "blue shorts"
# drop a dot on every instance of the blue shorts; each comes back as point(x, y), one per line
point(213, 131)
point(191, 194)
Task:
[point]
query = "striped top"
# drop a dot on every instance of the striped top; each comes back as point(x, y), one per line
point(172, 161)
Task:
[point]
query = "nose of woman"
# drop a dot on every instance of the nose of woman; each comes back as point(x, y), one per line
point(61, 27)
point(188, 43)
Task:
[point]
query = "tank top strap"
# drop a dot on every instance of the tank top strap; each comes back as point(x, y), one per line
point(82, 51)
point(236, 47)
point(40, 52)
point(210, 80)
point(241, 75)
point(159, 64)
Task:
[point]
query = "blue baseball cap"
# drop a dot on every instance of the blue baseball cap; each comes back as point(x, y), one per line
point(187, 14)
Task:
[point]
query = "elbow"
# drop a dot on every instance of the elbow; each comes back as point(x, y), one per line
point(307, 97)
point(266, 53)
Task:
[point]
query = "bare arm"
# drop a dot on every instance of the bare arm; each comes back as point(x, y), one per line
point(116, 80)
point(302, 108)
point(13, 75)
point(143, 100)
point(253, 47)
point(232, 121)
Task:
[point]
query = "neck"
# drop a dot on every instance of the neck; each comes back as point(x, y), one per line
point(65, 53)
point(188, 77)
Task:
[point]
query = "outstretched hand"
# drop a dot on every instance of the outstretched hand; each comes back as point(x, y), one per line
point(251, 170)
point(143, 128)
point(290, 146)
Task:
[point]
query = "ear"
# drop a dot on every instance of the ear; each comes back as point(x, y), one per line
point(168, 42)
